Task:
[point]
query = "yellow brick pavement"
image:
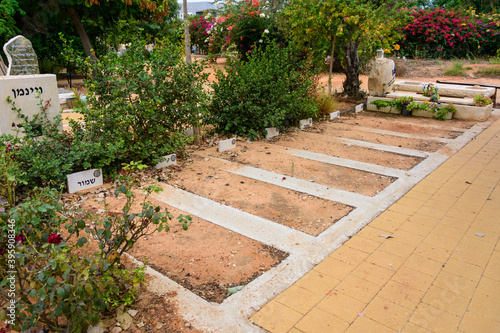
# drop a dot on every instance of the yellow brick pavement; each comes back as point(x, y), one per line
point(439, 273)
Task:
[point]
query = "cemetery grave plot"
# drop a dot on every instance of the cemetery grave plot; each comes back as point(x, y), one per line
point(350, 132)
point(414, 125)
point(190, 257)
point(300, 211)
point(316, 140)
point(268, 157)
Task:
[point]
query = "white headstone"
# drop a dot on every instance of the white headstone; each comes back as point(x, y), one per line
point(23, 91)
point(306, 123)
point(21, 56)
point(168, 160)
point(358, 108)
point(227, 144)
point(272, 132)
point(84, 180)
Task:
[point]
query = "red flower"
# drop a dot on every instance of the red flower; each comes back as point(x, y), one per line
point(55, 239)
point(20, 239)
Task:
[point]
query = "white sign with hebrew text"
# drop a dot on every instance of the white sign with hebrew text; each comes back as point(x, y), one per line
point(84, 180)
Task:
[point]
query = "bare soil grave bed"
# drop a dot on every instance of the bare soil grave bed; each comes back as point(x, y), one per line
point(306, 213)
point(268, 157)
point(353, 127)
point(206, 259)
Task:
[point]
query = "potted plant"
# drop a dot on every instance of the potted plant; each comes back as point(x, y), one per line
point(402, 104)
point(480, 100)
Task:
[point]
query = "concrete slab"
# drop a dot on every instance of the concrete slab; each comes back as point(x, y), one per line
point(449, 90)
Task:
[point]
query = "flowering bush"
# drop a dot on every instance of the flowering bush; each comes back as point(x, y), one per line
point(57, 281)
point(447, 33)
point(241, 27)
point(198, 30)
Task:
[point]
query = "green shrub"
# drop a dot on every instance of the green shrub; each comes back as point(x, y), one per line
point(269, 90)
point(144, 100)
point(45, 155)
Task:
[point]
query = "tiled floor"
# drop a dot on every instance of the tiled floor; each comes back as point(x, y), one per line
point(436, 270)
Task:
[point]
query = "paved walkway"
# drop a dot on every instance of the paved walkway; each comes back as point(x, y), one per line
point(438, 270)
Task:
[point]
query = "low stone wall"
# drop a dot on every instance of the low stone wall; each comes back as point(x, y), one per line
point(474, 113)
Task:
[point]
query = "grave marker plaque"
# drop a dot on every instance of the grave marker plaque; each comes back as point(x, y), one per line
point(169, 160)
point(227, 144)
point(306, 123)
point(272, 132)
point(334, 115)
point(21, 56)
point(84, 180)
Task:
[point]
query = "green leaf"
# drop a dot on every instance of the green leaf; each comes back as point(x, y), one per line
point(51, 281)
point(60, 292)
point(80, 224)
point(82, 241)
point(58, 312)
point(42, 294)
point(107, 234)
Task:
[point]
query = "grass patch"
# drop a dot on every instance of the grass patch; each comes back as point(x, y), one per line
point(456, 69)
point(491, 71)
point(326, 104)
point(468, 68)
point(494, 60)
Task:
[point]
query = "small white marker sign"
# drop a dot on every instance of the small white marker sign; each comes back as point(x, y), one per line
point(334, 115)
point(168, 160)
point(227, 144)
point(306, 123)
point(358, 108)
point(272, 132)
point(83, 180)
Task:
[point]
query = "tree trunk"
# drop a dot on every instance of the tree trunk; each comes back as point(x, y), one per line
point(330, 70)
point(187, 43)
point(75, 18)
point(187, 47)
point(351, 67)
